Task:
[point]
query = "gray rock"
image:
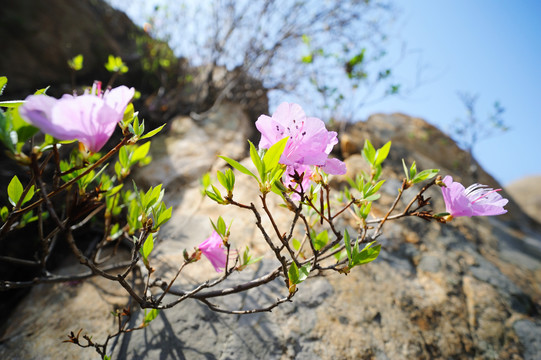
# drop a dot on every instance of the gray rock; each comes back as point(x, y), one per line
point(529, 333)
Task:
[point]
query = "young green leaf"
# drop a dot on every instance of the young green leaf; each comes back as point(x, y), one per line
point(4, 212)
point(296, 275)
point(413, 170)
point(238, 166)
point(151, 133)
point(382, 153)
point(28, 195)
point(368, 254)
point(347, 242)
point(304, 271)
point(163, 217)
point(3, 82)
point(147, 246)
point(123, 157)
point(223, 180)
point(320, 240)
point(151, 315)
point(425, 175)
point(406, 172)
point(76, 63)
point(259, 165)
point(272, 156)
point(139, 153)
point(15, 190)
point(369, 153)
point(221, 226)
point(216, 197)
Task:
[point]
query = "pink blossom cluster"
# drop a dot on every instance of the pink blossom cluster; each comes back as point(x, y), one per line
point(309, 144)
point(476, 200)
point(214, 250)
point(90, 118)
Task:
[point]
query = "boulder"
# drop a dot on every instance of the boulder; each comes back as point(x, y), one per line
point(468, 289)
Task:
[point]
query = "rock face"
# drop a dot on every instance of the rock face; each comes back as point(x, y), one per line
point(35, 52)
point(467, 290)
point(36, 48)
point(525, 192)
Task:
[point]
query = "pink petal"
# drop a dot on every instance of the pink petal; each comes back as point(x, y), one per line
point(37, 110)
point(214, 251)
point(334, 167)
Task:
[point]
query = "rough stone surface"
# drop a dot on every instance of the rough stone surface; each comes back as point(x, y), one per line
point(466, 290)
point(524, 191)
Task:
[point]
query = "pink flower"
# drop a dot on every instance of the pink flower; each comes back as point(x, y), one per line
point(476, 200)
point(309, 141)
point(89, 118)
point(213, 248)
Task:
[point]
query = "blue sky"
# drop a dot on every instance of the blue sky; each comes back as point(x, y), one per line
point(485, 47)
point(492, 48)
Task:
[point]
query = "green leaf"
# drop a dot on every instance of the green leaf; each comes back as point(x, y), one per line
point(293, 273)
point(128, 116)
point(11, 103)
point(425, 175)
point(114, 190)
point(3, 82)
point(304, 271)
point(216, 191)
point(15, 190)
point(221, 227)
point(205, 180)
point(215, 197)
point(223, 180)
point(296, 244)
point(382, 153)
point(76, 63)
point(347, 242)
point(365, 210)
point(357, 59)
point(296, 275)
point(413, 170)
point(4, 212)
point(230, 176)
point(321, 240)
point(372, 197)
point(406, 172)
point(147, 246)
point(373, 189)
point(164, 217)
point(123, 157)
point(369, 153)
point(28, 195)
point(152, 133)
point(368, 254)
point(307, 59)
point(140, 152)
point(249, 261)
point(259, 165)
point(238, 166)
point(151, 315)
point(115, 64)
point(277, 174)
point(41, 91)
point(273, 154)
